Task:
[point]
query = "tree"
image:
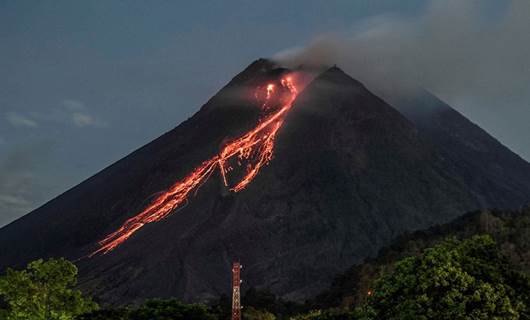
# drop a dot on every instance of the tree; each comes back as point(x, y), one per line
point(467, 279)
point(105, 314)
point(222, 307)
point(250, 313)
point(263, 299)
point(43, 291)
point(329, 314)
point(170, 310)
point(153, 310)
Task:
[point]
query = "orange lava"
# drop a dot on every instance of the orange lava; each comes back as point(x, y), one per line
point(255, 148)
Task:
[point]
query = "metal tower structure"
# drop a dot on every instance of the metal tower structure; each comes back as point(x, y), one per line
point(236, 292)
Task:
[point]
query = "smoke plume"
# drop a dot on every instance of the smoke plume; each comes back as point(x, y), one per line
point(474, 57)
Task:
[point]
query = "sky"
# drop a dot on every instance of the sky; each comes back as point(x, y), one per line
point(84, 83)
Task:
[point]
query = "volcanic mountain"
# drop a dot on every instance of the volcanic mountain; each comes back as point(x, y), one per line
point(297, 176)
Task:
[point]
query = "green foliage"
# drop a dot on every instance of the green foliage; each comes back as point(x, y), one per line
point(477, 278)
point(254, 314)
point(266, 300)
point(105, 314)
point(44, 290)
point(259, 300)
point(510, 229)
point(154, 310)
point(467, 279)
point(4, 314)
point(170, 310)
point(222, 307)
point(330, 314)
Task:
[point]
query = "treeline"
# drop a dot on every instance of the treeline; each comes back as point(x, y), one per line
point(509, 228)
point(476, 267)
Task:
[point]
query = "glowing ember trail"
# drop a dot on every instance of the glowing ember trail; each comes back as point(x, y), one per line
point(255, 148)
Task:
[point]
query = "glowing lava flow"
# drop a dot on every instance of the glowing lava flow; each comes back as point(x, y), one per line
point(255, 148)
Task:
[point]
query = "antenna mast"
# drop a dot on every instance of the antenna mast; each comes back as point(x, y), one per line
point(236, 292)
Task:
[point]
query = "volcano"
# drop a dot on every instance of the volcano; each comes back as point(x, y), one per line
point(296, 174)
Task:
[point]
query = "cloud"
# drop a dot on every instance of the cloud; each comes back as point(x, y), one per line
point(10, 200)
point(73, 105)
point(69, 111)
point(27, 179)
point(18, 120)
point(21, 190)
point(79, 116)
point(83, 120)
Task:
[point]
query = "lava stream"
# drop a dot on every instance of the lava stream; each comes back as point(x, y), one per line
point(256, 147)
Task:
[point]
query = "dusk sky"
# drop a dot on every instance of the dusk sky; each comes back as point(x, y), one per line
point(84, 83)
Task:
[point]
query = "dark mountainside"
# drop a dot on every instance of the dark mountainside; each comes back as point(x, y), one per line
point(349, 173)
point(510, 229)
point(489, 168)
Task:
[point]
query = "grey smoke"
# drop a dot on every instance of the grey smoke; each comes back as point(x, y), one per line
point(482, 69)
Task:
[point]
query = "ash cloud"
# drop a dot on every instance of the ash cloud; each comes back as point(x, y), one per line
point(476, 59)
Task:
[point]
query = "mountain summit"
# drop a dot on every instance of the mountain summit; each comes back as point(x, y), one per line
point(333, 171)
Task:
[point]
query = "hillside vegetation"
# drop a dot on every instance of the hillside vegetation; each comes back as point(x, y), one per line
point(476, 267)
point(509, 229)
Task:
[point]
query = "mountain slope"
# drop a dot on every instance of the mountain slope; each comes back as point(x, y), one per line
point(349, 173)
point(87, 212)
point(497, 177)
